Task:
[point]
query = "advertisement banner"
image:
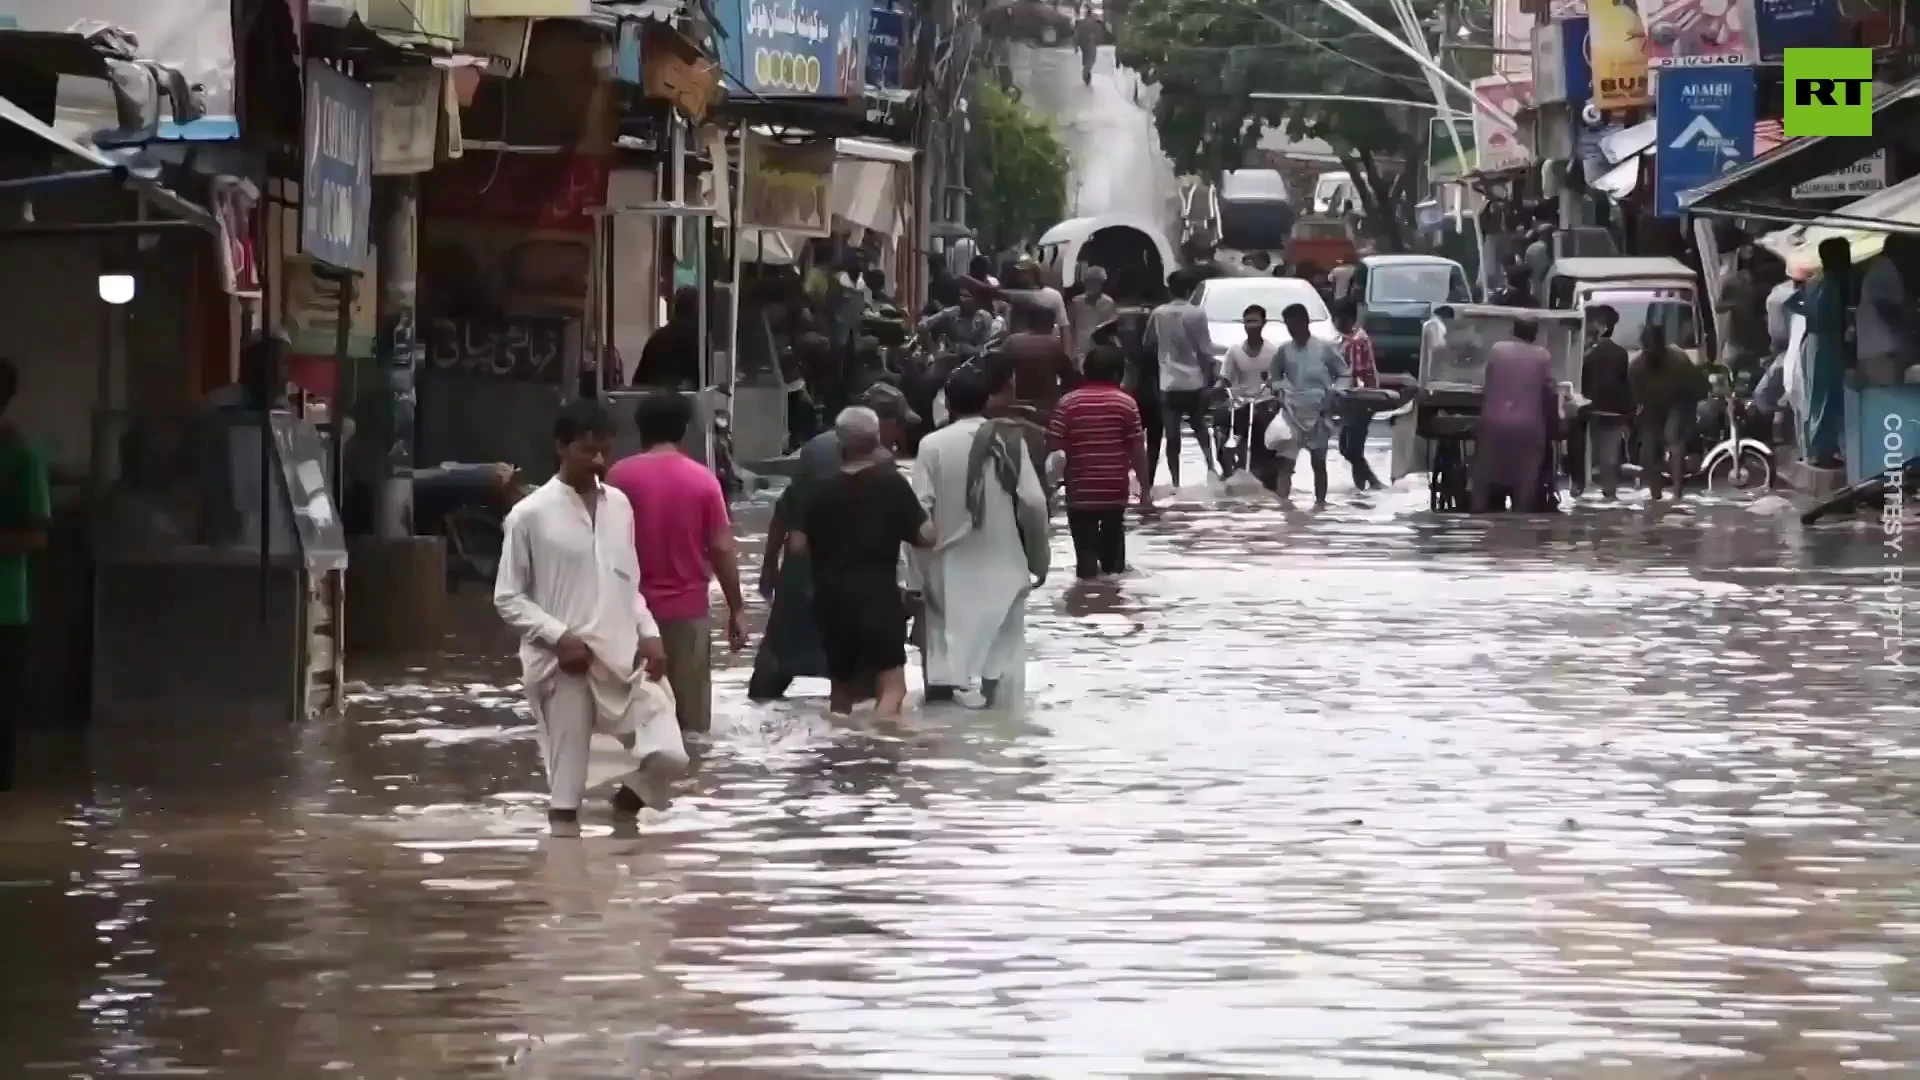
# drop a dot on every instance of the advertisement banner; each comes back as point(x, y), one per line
point(194, 37)
point(788, 187)
point(1703, 127)
point(1796, 24)
point(1616, 50)
point(793, 48)
point(1499, 147)
point(336, 196)
point(885, 32)
point(1689, 33)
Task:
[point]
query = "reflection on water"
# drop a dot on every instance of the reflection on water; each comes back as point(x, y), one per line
point(1368, 793)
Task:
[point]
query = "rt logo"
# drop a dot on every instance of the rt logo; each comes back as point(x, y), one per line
point(1829, 92)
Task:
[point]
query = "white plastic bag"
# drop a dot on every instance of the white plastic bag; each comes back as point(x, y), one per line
point(1280, 435)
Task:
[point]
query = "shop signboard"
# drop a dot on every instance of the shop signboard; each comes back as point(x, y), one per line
point(1796, 24)
point(788, 187)
point(336, 196)
point(1688, 33)
point(1500, 146)
point(1574, 51)
point(1616, 53)
point(793, 48)
point(886, 30)
point(1863, 177)
point(194, 37)
point(1703, 127)
point(406, 115)
point(1442, 163)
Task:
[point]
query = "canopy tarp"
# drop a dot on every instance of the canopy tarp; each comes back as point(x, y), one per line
point(1864, 225)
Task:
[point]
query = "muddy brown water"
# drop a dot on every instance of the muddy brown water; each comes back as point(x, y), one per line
point(1364, 794)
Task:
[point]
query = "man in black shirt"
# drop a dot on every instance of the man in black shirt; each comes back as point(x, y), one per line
point(1609, 394)
point(853, 527)
point(672, 357)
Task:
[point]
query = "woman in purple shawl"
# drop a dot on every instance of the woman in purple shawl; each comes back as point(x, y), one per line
point(1519, 411)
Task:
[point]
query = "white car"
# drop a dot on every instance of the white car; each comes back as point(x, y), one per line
point(1224, 300)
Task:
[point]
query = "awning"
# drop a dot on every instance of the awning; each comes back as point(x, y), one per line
point(863, 179)
point(1864, 224)
point(1618, 182)
point(863, 193)
point(94, 163)
point(1761, 189)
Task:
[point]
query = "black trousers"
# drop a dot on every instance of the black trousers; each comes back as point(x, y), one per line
point(1099, 541)
point(13, 696)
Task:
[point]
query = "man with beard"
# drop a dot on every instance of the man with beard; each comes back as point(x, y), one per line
point(982, 489)
point(791, 646)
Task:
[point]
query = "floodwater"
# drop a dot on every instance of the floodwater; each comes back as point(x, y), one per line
point(1366, 794)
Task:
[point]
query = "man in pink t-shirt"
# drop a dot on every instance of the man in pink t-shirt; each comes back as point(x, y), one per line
point(684, 540)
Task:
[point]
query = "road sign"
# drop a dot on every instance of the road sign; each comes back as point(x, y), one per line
point(1704, 128)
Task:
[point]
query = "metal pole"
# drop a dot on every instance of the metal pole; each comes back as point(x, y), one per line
point(399, 353)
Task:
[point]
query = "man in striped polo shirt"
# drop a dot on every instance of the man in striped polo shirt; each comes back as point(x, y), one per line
point(1097, 428)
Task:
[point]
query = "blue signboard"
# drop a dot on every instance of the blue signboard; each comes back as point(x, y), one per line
point(793, 48)
point(1796, 24)
point(886, 30)
point(336, 195)
point(1704, 127)
point(1579, 62)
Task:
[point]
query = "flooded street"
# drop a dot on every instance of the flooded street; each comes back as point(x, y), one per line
point(1368, 794)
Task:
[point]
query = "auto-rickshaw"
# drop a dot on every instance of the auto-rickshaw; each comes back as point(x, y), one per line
point(1641, 289)
point(1435, 435)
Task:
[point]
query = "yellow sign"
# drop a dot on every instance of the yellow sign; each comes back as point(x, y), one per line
point(1617, 47)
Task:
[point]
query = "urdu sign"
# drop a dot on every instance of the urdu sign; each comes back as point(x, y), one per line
point(336, 193)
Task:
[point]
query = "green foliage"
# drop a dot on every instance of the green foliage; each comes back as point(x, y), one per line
point(1208, 55)
point(1017, 171)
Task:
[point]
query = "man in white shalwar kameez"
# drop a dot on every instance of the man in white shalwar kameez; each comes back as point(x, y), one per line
point(989, 513)
point(570, 585)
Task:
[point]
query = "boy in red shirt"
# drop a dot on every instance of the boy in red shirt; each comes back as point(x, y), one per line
point(1097, 428)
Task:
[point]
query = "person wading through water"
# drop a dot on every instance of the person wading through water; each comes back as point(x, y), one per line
point(1667, 391)
point(1188, 358)
point(791, 649)
point(1519, 413)
point(982, 490)
point(1097, 428)
point(684, 542)
point(569, 585)
point(1306, 370)
point(855, 525)
point(1356, 347)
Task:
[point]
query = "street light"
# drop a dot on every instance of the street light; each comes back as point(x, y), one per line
point(116, 289)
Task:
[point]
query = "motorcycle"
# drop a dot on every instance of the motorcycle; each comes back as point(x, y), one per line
point(1873, 491)
point(466, 504)
point(1736, 459)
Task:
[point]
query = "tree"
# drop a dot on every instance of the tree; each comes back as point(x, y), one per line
point(1017, 171)
point(1208, 55)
